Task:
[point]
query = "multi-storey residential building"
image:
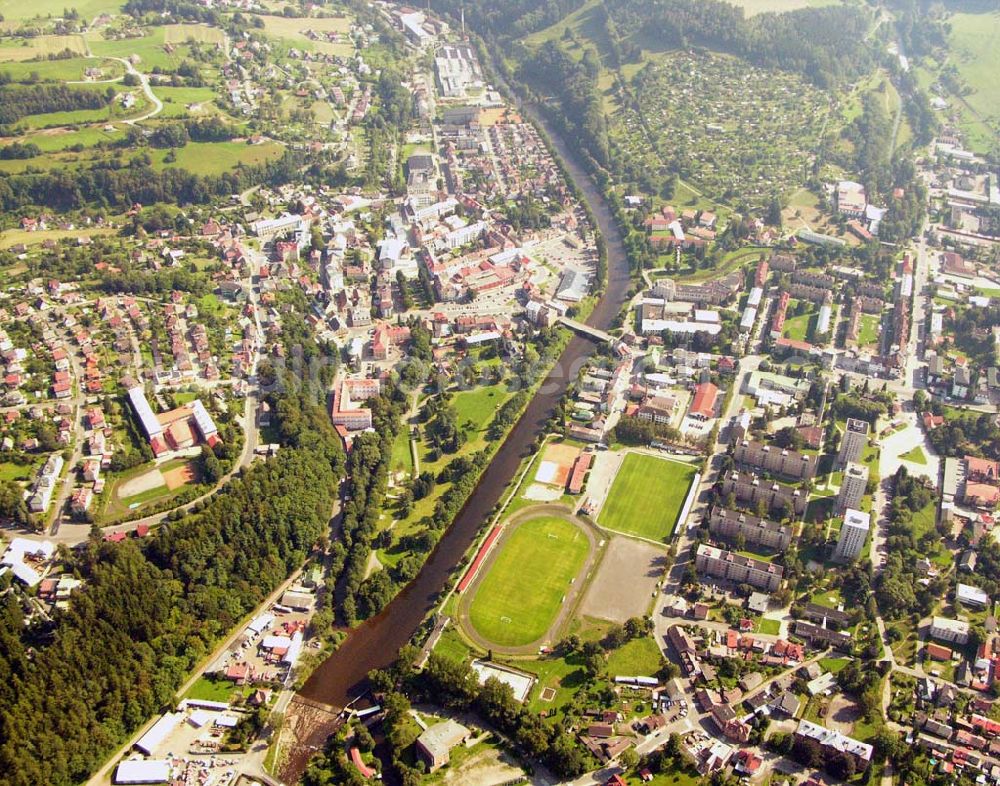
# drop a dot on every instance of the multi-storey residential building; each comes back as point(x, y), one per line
point(732, 524)
point(777, 461)
point(825, 636)
point(853, 535)
point(834, 743)
point(853, 445)
point(852, 488)
point(748, 488)
point(737, 568)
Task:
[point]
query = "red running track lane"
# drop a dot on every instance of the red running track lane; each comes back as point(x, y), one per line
point(470, 574)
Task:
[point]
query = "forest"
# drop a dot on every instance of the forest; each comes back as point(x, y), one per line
point(512, 19)
point(70, 692)
point(827, 45)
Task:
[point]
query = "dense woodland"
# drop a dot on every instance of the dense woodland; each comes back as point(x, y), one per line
point(73, 690)
point(513, 19)
point(827, 45)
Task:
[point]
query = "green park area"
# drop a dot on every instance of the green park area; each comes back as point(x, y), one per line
point(521, 594)
point(473, 412)
point(647, 496)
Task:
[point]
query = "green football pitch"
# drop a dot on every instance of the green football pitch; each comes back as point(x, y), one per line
point(520, 596)
point(647, 496)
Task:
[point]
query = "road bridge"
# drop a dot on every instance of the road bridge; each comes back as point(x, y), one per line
point(587, 330)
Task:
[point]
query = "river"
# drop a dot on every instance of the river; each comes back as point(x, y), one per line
point(374, 644)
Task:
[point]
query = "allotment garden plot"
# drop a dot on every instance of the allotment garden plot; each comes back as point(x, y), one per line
point(647, 496)
point(529, 578)
point(731, 129)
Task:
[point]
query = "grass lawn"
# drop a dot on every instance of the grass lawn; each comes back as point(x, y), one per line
point(474, 407)
point(521, 594)
point(831, 598)
point(211, 689)
point(564, 675)
point(834, 665)
point(917, 455)
point(478, 405)
point(729, 263)
point(451, 645)
point(674, 778)
point(11, 471)
point(923, 520)
point(647, 496)
point(12, 237)
point(869, 329)
point(799, 328)
point(176, 99)
point(637, 658)
point(214, 158)
point(149, 48)
point(768, 627)
point(402, 459)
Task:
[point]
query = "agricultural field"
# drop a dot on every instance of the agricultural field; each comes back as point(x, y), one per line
point(213, 158)
point(293, 32)
point(68, 70)
point(520, 596)
point(730, 129)
point(975, 47)
point(19, 10)
point(647, 496)
point(202, 34)
point(151, 49)
point(42, 46)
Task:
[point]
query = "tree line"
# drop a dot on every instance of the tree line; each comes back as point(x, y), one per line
point(17, 102)
point(114, 184)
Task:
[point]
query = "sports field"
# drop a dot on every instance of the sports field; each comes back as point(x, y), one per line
point(646, 496)
point(521, 594)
